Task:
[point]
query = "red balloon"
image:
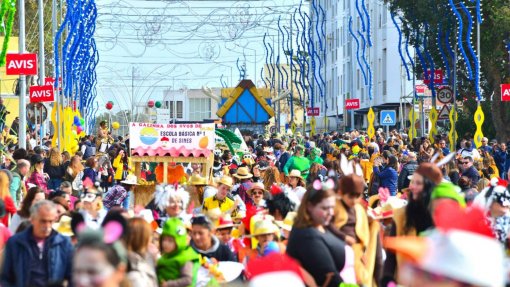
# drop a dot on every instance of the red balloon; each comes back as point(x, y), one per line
point(109, 105)
point(150, 104)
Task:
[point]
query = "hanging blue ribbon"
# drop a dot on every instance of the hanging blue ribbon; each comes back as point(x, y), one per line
point(459, 39)
point(357, 51)
point(400, 46)
point(471, 51)
point(369, 34)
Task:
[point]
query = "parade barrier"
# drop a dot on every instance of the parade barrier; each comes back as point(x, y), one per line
point(169, 145)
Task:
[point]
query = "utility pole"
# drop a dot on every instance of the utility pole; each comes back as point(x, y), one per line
point(22, 134)
point(41, 58)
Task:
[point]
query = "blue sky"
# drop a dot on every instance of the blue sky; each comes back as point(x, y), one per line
point(155, 45)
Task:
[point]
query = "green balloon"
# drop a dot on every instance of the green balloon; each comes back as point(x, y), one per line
point(158, 104)
point(82, 121)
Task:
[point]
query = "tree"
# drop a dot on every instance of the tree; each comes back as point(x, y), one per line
point(425, 18)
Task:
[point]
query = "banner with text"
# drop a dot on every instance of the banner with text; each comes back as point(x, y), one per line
point(177, 136)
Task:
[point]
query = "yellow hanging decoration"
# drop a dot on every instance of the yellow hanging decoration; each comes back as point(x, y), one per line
point(326, 123)
point(452, 136)
point(293, 128)
point(479, 119)
point(433, 119)
point(371, 119)
point(312, 126)
point(413, 118)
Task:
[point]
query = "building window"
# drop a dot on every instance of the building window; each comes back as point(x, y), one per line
point(199, 109)
point(178, 112)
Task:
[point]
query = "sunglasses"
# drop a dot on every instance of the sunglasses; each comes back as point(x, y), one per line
point(257, 192)
point(465, 162)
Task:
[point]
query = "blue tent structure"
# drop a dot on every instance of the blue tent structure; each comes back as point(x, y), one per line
point(245, 107)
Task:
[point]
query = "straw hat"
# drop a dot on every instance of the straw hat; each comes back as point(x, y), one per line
point(295, 173)
point(287, 223)
point(387, 209)
point(130, 179)
point(196, 179)
point(256, 185)
point(226, 180)
point(63, 226)
point(225, 221)
point(243, 172)
point(264, 226)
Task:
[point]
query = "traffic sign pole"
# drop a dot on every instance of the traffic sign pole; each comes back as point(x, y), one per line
point(22, 131)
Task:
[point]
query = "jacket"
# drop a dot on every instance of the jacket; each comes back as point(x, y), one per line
point(473, 174)
point(16, 269)
point(407, 170)
point(218, 251)
point(141, 272)
point(388, 178)
point(54, 172)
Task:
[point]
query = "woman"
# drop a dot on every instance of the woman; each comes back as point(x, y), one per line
point(34, 194)
point(388, 176)
point(38, 177)
point(320, 252)
point(172, 202)
point(205, 243)
point(5, 195)
point(271, 176)
point(74, 173)
point(415, 217)
point(296, 185)
point(196, 186)
point(141, 267)
point(97, 263)
point(90, 172)
point(103, 136)
point(54, 167)
point(121, 165)
point(62, 206)
point(258, 194)
point(426, 151)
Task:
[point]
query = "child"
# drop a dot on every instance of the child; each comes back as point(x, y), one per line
point(225, 233)
point(264, 232)
point(179, 263)
point(499, 215)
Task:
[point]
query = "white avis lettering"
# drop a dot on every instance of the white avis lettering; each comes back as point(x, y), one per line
point(41, 94)
point(21, 64)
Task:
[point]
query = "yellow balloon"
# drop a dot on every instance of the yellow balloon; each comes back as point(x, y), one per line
point(115, 125)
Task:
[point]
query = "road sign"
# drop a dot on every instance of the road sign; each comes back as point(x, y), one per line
point(444, 114)
point(445, 95)
point(388, 118)
point(40, 94)
point(505, 92)
point(438, 77)
point(352, 104)
point(21, 64)
point(313, 112)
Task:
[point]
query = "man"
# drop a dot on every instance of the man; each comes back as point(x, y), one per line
point(485, 147)
point(119, 194)
point(3, 113)
point(220, 199)
point(501, 158)
point(469, 151)
point(38, 256)
point(443, 147)
point(298, 162)
point(407, 171)
point(468, 170)
point(15, 127)
point(18, 180)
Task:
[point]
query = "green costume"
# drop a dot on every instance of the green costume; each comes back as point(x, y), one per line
point(300, 163)
point(169, 265)
point(315, 156)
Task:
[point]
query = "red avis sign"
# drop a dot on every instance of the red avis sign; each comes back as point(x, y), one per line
point(40, 94)
point(50, 81)
point(438, 77)
point(505, 92)
point(352, 104)
point(313, 112)
point(21, 64)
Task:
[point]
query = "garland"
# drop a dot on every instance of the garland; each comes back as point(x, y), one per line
point(8, 7)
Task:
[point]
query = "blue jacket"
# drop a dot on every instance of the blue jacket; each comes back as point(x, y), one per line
point(388, 178)
point(501, 159)
point(18, 254)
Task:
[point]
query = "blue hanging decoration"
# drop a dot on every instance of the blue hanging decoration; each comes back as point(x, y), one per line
point(369, 34)
point(478, 12)
point(360, 16)
point(267, 63)
point(441, 49)
point(400, 46)
point(367, 65)
point(357, 51)
point(449, 47)
point(432, 68)
point(293, 59)
point(283, 72)
point(320, 81)
point(272, 67)
point(471, 51)
point(459, 39)
point(420, 55)
point(323, 38)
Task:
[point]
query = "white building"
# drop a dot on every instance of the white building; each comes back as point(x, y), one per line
point(344, 78)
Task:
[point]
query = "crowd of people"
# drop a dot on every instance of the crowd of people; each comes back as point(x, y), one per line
point(331, 210)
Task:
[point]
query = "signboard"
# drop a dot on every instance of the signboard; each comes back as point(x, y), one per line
point(445, 95)
point(41, 94)
point(420, 89)
point(313, 112)
point(21, 64)
point(505, 92)
point(352, 104)
point(171, 138)
point(388, 118)
point(444, 114)
point(438, 77)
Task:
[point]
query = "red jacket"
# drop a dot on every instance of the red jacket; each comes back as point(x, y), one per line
point(10, 209)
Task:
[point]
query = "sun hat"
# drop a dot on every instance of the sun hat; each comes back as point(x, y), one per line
point(226, 180)
point(256, 185)
point(225, 221)
point(130, 180)
point(295, 173)
point(264, 226)
point(287, 223)
point(196, 179)
point(63, 226)
point(243, 173)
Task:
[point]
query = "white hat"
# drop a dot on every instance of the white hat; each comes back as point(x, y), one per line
point(130, 179)
point(277, 278)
